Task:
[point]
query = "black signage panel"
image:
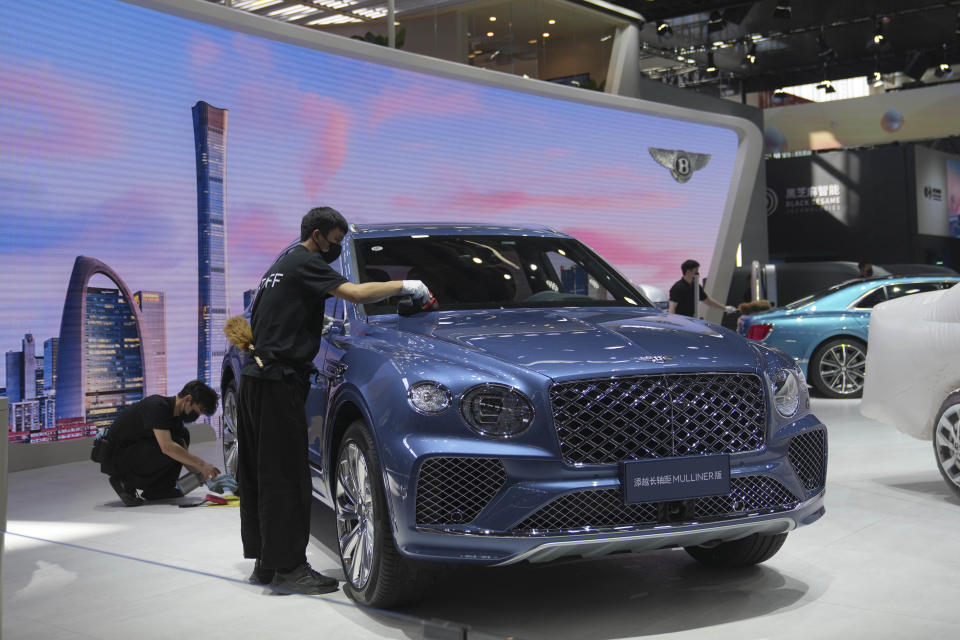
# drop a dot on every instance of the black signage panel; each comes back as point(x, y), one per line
point(675, 478)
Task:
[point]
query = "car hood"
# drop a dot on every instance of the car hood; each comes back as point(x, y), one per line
point(579, 342)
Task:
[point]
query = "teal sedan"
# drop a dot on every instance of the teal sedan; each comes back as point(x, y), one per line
point(826, 333)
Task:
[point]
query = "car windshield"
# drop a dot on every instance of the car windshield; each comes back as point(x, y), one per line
point(495, 272)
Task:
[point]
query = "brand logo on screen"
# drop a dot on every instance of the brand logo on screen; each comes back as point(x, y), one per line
point(681, 163)
point(932, 193)
point(772, 201)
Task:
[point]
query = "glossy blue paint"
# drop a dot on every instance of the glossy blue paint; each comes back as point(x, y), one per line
point(380, 357)
point(801, 327)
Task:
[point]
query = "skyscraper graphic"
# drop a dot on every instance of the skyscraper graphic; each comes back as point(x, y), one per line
point(210, 141)
point(29, 389)
point(50, 347)
point(113, 360)
point(100, 360)
point(153, 310)
point(15, 376)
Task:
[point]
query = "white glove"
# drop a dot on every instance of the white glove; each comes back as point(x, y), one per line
point(417, 289)
point(730, 309)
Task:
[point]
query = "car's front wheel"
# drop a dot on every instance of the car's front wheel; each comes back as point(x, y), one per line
point(744, 552)
point(946, 441)
point(376, 574)
point(837, 368)
point(228, 436)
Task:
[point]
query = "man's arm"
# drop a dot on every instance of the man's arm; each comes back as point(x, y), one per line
point(672, 306)
point(376, 291)
point(181, 455)
point(368, 291)
point(713, 303)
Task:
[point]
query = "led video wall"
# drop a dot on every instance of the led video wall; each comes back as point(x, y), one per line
point(152, 166)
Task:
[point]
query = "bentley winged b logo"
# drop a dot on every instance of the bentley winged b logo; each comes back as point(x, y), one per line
point(682, 164)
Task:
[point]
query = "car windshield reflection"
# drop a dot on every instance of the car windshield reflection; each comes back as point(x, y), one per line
point(495, 272)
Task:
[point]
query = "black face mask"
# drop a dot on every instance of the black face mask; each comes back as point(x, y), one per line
point(332, 253)
point(193, 416)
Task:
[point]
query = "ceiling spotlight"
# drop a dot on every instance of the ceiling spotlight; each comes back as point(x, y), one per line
point(711, 67)
point(664, 30)
point(876, 79)
point(493, 18)
point(715, 22)
point(878, 31)
point(751, 57)
point(783, 10)
point(489, 34)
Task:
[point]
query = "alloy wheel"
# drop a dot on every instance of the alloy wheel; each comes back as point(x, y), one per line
point(228, 438)
point(947, 439)
point(355, 515)
point(842, 367)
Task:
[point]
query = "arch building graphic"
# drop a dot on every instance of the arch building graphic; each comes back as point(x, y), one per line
point(101, 362)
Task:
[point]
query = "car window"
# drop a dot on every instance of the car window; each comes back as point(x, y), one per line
point(872, 299)
point(909, 288)
point(488, 272)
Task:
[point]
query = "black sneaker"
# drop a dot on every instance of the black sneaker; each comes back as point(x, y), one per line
point(261, 575)
point(303, 579)
point(162, 494)
point(127, 494)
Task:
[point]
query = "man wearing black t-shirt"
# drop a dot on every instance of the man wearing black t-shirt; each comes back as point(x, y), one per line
point(681, 293)
point(272, 466)
point(149, 444)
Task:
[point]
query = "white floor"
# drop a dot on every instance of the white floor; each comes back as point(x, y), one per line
point(882, 563)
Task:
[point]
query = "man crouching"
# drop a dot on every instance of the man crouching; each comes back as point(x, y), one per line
point(148, 444)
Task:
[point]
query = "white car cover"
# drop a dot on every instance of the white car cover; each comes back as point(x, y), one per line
point(913, 362)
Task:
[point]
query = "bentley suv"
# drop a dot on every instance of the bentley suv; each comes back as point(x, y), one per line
point(546, 410)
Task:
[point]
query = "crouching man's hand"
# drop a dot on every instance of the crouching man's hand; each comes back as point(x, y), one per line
point(208, 471)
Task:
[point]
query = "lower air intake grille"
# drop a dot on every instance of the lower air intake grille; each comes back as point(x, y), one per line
point(808, 455)
point(604, 508)
point(455, 490)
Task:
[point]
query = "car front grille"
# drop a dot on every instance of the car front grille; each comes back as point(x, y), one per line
point(452, 491)
point(808, 455)
point(604, 508)
point(605, 421)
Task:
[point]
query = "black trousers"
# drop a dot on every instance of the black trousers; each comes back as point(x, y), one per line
point(145, 466)
point(273, 470)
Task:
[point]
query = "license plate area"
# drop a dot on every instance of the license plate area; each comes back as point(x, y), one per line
point(666, 479)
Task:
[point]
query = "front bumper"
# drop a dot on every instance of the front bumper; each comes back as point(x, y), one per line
point(522, 518)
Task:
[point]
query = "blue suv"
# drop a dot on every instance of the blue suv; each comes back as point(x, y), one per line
point(547, 409)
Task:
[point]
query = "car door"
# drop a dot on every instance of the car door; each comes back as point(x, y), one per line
point(319, 394)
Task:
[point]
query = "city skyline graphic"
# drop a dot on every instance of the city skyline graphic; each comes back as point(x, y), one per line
point(100, 159)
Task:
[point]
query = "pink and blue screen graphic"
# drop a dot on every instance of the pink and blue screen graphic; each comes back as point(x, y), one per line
point(98, 159)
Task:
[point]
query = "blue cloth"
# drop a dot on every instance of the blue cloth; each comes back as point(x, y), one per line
point(223, 482)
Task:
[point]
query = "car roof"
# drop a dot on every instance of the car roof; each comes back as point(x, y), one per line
point(449, 228)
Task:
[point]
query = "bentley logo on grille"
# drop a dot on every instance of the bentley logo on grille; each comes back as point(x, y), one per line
point(681, 163)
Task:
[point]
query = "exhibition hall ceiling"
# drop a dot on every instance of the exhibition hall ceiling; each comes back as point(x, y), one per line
point(754, 45)
point(797, 42)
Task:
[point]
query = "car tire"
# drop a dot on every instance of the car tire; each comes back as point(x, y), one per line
point(837, 368)
point(382, 577)
point(744, 552)
point(228, 433)
point(946, 441)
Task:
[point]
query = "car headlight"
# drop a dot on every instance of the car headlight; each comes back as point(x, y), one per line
point(429, 397)
point(496, 410)
point(786, 392)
